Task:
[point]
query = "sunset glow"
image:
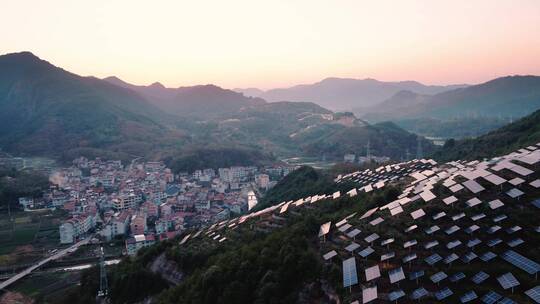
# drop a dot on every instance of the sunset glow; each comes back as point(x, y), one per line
point(269, 44)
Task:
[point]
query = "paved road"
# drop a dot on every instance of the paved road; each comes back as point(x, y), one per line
point(28, 270)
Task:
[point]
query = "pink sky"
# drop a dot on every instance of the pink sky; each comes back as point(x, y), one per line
point(279, 43)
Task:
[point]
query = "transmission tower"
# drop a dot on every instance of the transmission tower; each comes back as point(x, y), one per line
point(368, 151)
point(103, 285)
point(419, 152)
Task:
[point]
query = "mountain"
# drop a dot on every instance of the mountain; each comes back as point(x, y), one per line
point(347, 93)
point(201, 101)
point(253, 92)
point(46, 110)
point(521, 133)
point(511, 96)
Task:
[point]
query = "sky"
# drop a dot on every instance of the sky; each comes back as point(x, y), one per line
point(268, 44)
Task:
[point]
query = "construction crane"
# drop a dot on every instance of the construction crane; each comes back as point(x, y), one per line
point(103, 284)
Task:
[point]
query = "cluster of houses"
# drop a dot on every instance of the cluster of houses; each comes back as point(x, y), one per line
point(145, 202)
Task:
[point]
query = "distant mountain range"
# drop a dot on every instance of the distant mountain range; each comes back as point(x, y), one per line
point(47, 111)
point(515, 96)
point(522, 133)
point(346, 93)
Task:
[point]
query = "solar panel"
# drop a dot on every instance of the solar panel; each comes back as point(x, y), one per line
point(387, 256)
point(478, 217)
point(535, 183)
point(521, 262)
point(417, 214)
point(473, 202)
point(372, 272)
point(457, 277)
point(387, 242)
point(499, 218)
point(494, 179)
point(452, 229)
point(376, 221)
point(443, 294)
point(473, 243)
point(396, 210)
point(491, 297)
point(353, 233)
point(329, 255)
point(495, 204)
point(521, 170)
point(364, 253)
point(493, 229)
point(449, 259)
point(508, 280)
point(410, 228)
point(371, 238)
point(506, 301)
point(432, 259)
point(473, 186)
point(472, 229)
point(494, 242)
point(468, 257)
point(453, 244)
point(514, 192)
point(432, 229)
point(480, 277)
point(344, 227)
point(396, 294)
point(352, 247)
point(369, 213)
point(455, 188)
point(396, 275)
point(416, 274)
point(350, 276)
point(516, 181)
point(409, 257)
point(431, 244)
point(419, 293)
point(515, 242)
point(439, 276)
point(534, 293)
point(410, 243)
point(467, 297)
point(325, 228)
point(488, 256)
point(458, 216)
point(427, 196)
point(439, 215)
point(369, 294)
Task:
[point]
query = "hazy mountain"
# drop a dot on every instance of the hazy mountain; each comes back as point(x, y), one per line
point(46, 110)
point(253, 92)
point(347, 93)
point(200, 101)
point(511, 137)
point(512, 96)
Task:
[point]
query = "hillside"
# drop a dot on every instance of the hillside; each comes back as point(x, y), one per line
point(521, 133)
point(512, 96)
point(347, 93)
point(200, 102)
point(45, 110)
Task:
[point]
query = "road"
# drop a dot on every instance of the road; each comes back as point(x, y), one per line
point(55, 256)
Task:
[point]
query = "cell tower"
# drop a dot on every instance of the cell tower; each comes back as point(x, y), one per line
point(103, 285)
point(419, 152)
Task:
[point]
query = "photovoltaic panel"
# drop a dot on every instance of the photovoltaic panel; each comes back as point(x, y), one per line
point(451, 258)
point(329, 255)
point(387, 256)
point(508, 280)
point(439, 215)
point(516, 181)
point(534, 294)
point(513, 229)
point(396, 210)
point(411, 228)
point(514, 192)
point(443, 294)
point(417, 214)
point(495, 204)
point(366, 252)
point(472, 243)
point(469, 296)
point(387, 241)
point(432, 229)
point(468, 257)
point(432, 259)
point(353, 233)
point(431, 244)
point(369, 294)
point(473, 202)
point(371, 238)
point(499, 218)
point(439, 276)
point(410, 243)
point(350, 276)
point(344, 227)
point(457, 277)
point(494, 242)
point(453, 244)
point(488, 256)
point(455, 188)
point(419, 293)
point(506, 301)
point(396, 294)
point(480, 277)
point(396, 275)
point(478, 217)
point(352, 247)
point(416, 274)
point(473, 186)
point(325, 228)
point(491, 297)
point(409, 257)
point(521, 262)
point(472, 229)
point(372, 273)
point(515, 242)
point(376, 221)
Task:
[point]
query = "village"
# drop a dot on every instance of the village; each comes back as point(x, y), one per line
point(145, 202)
